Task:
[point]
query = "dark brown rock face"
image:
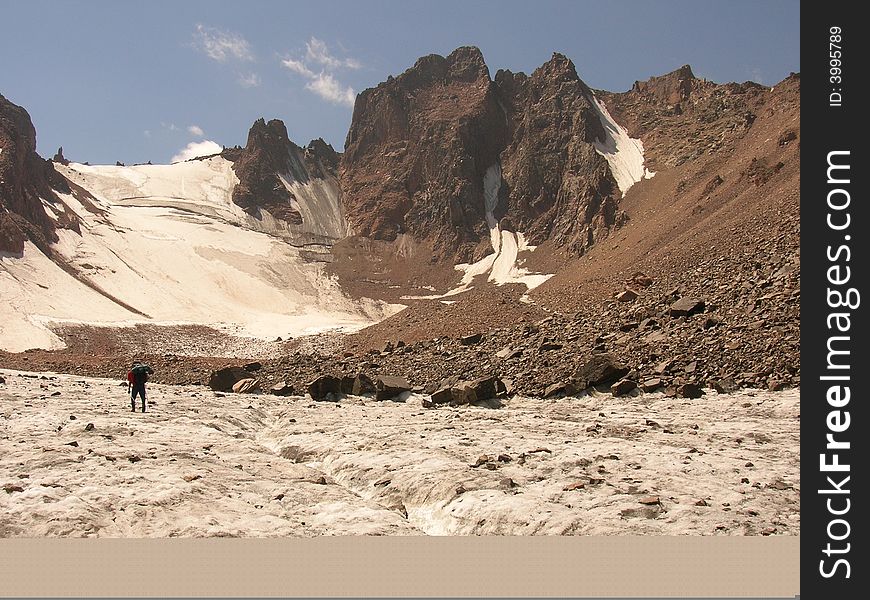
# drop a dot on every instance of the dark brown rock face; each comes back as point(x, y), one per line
point(268, 156)
point(420, 145)
point(25, 180)
point(417, 149)
point(560, 188)
point(671, 88)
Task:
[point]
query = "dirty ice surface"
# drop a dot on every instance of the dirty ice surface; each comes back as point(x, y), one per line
point(624, 153)
point(165, 244)
point(74, 461)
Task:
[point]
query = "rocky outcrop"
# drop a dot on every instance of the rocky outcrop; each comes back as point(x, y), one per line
point(421, 144)
point(26, 180)
point(59, 157)
point(560, 187)
point(672, 88)
point(288, 181)
point(680, 117)
point(417, 150)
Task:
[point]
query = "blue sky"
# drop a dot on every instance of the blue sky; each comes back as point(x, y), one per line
point(138, 81)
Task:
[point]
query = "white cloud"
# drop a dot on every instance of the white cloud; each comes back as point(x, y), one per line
point(324, 83)
point(195, 130)
point(147, 133)
point(317, 51)
point(194, 149)
point(326, 86)
point(250, 80)
point(297, 66)
point(221, 45)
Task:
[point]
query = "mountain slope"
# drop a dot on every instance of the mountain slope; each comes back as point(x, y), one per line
point(719, 222)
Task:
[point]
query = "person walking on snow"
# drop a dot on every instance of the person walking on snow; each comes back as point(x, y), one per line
point(136, 378)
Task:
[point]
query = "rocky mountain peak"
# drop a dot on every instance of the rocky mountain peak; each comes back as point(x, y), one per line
point(558, 68)
point(269, 141)
point(26, 180)
point(466, 64)
point(270, 162)
point(59, 157)
point(258, 164)
point(320, 150)
point(671, 88)
point(420, 145)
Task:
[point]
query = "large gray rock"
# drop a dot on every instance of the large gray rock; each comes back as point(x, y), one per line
point(470, 340)
point(557, 389)
point(622, 387)
point(600, 369)
point(282, 389)
point(387, 387)
point(442, 395)
point(464, 393)
point(363, 384)
point(689, 390)
point(686, 307)
point(224, 379)
point(325, 387)
point(484, 388)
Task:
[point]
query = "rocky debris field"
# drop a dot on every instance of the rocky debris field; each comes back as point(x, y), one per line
point(76, 462)
point(701, 333)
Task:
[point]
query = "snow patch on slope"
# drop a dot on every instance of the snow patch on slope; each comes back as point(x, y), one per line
point(623, 153)
point(502, 266)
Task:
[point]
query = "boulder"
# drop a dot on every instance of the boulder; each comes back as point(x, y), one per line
point(253, 366)
point(323, 387)
point(689, 390)
point(447, 382)
point(484, 388)
point(724, 386)
point(626, 296)
point(362, 384)
point(246, 386)
point(442, 395)
point(509, 388)
point(600, 369)
point(387, 387)
point(556, 389)
point(686, 307)
point(464, 393)
point(470, 340)
point(649, 323)
point(622, 387)
point(347, 384)
point(641, 279)
point(651, 385)
point(282, 389)
point(224, 379)
point(710, 322)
